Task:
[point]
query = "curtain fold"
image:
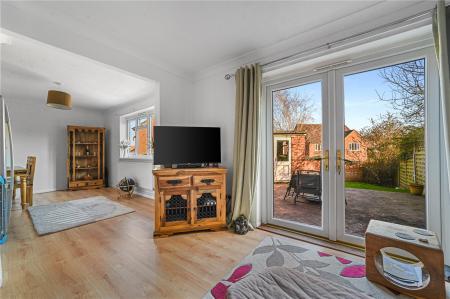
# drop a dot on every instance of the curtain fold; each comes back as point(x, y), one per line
point(441, 29)
point(245, 153)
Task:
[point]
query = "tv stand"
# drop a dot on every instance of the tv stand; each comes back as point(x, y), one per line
point(189, 199)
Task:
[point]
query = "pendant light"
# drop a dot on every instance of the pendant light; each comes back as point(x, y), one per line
point(59, 99)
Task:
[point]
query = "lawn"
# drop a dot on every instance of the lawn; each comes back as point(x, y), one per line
point(360, 185)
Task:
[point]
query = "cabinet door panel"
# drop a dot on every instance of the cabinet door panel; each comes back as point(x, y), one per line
point(175, 208)
point(207, 207)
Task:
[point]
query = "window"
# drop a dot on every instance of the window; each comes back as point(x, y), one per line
point(318, 147)
point(353, 147)
point(282, 150)
point(131, 136)
point(137, 142)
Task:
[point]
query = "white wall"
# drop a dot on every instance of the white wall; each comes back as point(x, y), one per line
point(445, 203)
point(42, 132)
point(141, 171)
point(214, 99)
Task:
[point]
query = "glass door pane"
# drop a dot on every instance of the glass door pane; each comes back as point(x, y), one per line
point(297, 154)
point(384, 146)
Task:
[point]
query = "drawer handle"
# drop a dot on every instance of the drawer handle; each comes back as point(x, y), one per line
point(174, 182)
point(208, 181)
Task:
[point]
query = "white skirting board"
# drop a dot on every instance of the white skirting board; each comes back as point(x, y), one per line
point(145, 192)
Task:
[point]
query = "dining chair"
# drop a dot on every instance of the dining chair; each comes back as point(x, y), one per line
point(25, 183)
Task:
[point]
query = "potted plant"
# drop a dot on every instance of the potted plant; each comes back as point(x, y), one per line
point(414, 187)
point(413, 139)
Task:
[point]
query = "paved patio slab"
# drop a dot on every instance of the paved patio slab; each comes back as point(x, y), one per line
point(362, 205)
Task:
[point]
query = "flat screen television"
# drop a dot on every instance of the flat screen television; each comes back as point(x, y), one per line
point(186, 145)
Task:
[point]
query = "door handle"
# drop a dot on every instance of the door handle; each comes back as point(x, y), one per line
point(338, 161)
point(326, 162)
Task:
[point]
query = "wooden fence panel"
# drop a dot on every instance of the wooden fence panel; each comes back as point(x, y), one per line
point(406, 170)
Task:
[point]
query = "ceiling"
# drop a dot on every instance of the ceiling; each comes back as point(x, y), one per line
point(29, 69)
point(184, 37)
point(194, 35)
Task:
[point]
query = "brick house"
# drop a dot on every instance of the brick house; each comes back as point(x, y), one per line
point(302, 150)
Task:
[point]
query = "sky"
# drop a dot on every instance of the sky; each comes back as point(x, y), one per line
point(362, 101)
point(360, 98)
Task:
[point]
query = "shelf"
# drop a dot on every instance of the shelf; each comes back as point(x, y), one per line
point(85, 143)
point(86, 156)
point(85, 168)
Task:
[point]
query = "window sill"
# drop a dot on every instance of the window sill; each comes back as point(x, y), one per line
point(132, 159)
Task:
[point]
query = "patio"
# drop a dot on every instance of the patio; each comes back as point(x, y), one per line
point(362, 205)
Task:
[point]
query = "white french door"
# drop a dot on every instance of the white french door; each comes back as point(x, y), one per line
point(308, 98)
point(359, 136)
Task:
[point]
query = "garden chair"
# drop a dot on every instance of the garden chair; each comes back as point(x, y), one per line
point(292, 187)
point(309, 182)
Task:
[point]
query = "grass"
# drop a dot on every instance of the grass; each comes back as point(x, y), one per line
point(360, 185)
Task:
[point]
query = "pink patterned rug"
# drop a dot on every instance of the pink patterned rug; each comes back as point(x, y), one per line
point(290, 253)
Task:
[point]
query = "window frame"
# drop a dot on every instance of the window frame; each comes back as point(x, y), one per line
point(150, 116)
point(354, 147)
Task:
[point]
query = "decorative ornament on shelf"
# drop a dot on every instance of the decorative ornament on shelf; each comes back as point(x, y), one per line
point(124, 145)
point(59, 99)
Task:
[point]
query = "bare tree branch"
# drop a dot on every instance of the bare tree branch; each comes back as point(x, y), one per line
point(290, 109)
point(407, 84)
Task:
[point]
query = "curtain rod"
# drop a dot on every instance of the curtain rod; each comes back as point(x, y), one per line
point(327, 46)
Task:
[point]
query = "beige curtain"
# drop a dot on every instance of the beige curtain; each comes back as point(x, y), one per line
point(441, 29)
point(248, 93)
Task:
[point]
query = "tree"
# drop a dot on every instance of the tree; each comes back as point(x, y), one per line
point(407, 84)
point(382, 137)
point(290, 109)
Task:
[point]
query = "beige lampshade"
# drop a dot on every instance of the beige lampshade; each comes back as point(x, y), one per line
point(59, 100)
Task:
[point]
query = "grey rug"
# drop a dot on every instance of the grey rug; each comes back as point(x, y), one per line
point(60, 216)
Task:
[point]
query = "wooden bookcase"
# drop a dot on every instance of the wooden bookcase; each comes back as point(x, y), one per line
point(189, 199)
point(86, 157)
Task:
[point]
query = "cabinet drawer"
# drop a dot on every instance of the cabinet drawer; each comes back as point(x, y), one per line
point(207, 180)
point(174, 182)
point(95, 183)
point(78, 184)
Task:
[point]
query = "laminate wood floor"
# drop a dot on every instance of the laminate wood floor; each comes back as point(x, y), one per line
point(117, 257)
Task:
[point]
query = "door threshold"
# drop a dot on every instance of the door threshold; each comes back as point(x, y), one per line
point(313, 239)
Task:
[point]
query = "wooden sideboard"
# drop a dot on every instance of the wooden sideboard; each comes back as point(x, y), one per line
point(189, 199)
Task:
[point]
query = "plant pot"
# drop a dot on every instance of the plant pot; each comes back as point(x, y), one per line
point(416, 189)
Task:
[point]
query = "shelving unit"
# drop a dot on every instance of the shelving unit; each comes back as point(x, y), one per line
point(86, 157)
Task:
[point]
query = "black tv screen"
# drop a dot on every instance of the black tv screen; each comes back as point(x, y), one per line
point(183, 145)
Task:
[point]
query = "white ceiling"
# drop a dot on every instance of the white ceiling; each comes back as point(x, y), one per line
point(194, 35)
point(29, 69)
point(184, 36)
